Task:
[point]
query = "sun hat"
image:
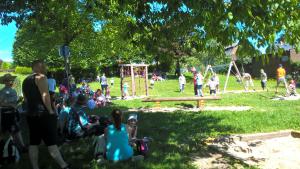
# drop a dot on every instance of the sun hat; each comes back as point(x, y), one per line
point(7, 78)
point(132, 117)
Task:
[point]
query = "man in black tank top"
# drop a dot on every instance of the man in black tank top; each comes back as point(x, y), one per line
point(41, 118)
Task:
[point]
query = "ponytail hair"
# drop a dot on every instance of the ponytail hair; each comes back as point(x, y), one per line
point(117, 118)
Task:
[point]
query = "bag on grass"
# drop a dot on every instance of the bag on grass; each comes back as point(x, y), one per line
point(9, 152)
point(142, 146)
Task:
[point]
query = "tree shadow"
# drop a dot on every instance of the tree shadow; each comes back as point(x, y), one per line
point(185, 105)
point(176, 136)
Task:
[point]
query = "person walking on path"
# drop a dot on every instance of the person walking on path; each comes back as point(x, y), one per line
point(281, 78)
point(41, 117)
point(182, 82)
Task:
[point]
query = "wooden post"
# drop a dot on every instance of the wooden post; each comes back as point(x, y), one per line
point(198, 103)
point(227, 77)
point(157, 105)
point(122, 78)
point(146, 80)
point(201, 104)
point(132, 80)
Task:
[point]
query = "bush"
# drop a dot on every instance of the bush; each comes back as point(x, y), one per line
point(23, 70)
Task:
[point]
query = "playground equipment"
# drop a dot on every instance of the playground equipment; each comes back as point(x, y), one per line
point(231, 51)
point(137, 77)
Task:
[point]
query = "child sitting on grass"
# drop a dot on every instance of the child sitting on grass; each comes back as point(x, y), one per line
point(132, 127)
point(80, 124)
point(63, 116)
point(114, 144)
point(99, 98)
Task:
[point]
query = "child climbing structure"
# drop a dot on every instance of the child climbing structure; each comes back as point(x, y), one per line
point(134, 77)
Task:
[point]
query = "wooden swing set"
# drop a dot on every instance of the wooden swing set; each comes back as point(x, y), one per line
point(131, 72)
point(231, 51)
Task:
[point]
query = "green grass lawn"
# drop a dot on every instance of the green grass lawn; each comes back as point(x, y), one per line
point(179, 134)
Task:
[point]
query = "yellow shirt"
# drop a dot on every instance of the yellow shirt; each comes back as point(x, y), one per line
point(280, 72)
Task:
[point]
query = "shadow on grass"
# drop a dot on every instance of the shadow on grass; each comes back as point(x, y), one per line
point(185, 105)
point(176, 136)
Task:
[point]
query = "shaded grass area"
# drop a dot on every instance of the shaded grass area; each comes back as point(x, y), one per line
point(179, 134)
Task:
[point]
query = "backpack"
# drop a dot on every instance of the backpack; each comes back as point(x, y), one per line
point(142, 147)
point(9, 152)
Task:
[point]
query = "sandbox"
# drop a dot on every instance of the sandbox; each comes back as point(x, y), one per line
point(265, 150)
point(297, 97)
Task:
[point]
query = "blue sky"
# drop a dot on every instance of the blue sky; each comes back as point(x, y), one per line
point(7, 37)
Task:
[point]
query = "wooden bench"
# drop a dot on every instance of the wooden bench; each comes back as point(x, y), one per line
point(199, 100)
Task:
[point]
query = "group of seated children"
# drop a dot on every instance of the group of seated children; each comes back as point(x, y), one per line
point(96, 99)
point(74, 121)
point(119, 140)
point(115, 141)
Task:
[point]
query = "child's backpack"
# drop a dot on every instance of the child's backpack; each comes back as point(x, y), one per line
point(142, 146)
point(9, 152)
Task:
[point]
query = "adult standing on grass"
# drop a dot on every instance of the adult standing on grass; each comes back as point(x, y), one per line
point(281, 78)
point(263, 79)
point(103, 81)
point(182, 82)
point(51, 84)
point(8, 103)
point(41, 117)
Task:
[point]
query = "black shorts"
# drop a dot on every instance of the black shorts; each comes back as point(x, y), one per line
point(44, 128)
point(212, 91)
point(263, 84)
point(9, 122)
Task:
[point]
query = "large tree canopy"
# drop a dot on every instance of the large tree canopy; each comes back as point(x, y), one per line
point(146, 30)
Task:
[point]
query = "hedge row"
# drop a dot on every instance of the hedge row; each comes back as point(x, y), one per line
point(23, 70)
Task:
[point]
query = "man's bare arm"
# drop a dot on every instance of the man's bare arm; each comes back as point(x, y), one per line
point(42, 84)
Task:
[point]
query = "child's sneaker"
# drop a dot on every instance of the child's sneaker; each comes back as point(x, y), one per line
point(137, 158)
point(101, 160)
